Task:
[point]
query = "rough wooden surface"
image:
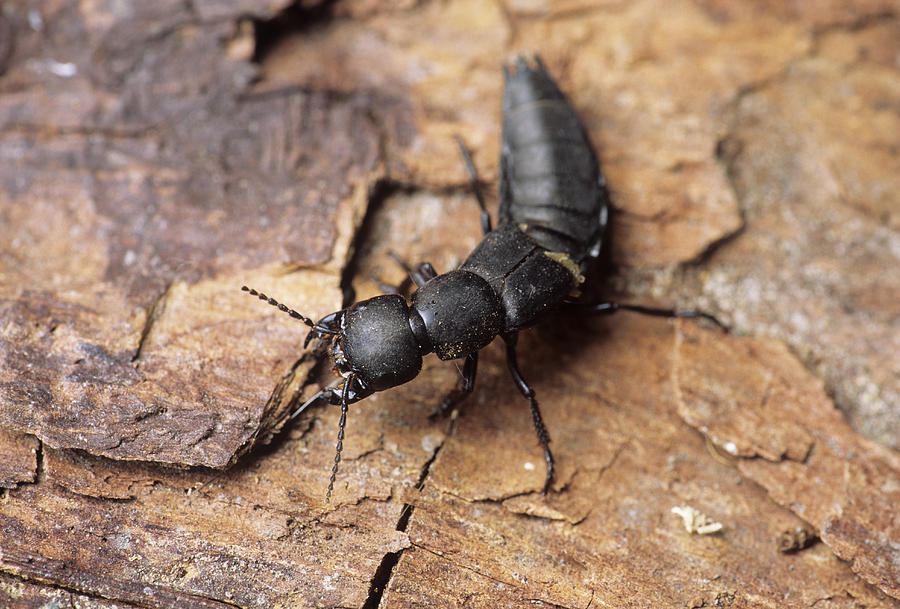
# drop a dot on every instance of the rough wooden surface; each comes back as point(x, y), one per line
point(755, 401)
point(134, 203)
point(18, 458)
point(158, 156)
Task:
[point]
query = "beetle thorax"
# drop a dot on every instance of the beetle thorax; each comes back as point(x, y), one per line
point(460, 312)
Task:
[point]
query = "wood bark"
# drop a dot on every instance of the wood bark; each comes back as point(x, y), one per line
point(157, 156)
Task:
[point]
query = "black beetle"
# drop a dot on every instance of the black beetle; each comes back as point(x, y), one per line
point(553, 215)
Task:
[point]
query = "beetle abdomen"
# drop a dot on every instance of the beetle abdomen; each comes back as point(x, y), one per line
point(550, 182)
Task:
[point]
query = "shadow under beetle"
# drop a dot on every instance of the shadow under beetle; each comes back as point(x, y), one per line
point(552, 219)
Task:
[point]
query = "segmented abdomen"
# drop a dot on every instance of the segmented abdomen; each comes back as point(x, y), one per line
point(550, 182)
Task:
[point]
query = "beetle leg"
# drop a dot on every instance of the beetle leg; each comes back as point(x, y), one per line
point(420, 274)
point(528, 392)
point(326, 393)
point(608, 308)
point(386, 287)
point(473, 177)
point(466, 385)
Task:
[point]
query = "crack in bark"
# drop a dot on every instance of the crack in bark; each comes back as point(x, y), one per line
point(37, 474)
point(502, 499)
point(514, 584)
point(40, 464)
point(854, 25)
point(385, 570)
point(153, 315)
point(443, 556)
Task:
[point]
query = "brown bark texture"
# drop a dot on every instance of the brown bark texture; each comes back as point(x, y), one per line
point(158, 156)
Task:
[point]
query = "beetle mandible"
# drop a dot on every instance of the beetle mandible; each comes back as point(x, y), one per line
point(552, 220)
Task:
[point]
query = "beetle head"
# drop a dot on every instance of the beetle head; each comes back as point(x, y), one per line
point(371, 341)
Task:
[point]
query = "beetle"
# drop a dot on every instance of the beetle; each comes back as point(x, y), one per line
point(553, 216)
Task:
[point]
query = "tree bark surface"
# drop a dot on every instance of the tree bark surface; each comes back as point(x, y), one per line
point(157, 157)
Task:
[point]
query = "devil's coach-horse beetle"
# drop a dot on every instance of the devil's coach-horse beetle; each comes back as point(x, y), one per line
point(552, 220)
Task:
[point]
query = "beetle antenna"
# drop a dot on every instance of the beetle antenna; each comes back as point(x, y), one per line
point(316, 396)
point(280, 306)
point(345, 397)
